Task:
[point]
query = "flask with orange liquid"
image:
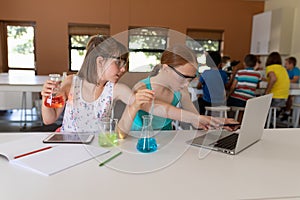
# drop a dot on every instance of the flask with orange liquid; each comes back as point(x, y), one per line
point(55, 100)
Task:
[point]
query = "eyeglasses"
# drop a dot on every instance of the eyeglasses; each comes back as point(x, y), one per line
point(182, 75)
point(120, 62)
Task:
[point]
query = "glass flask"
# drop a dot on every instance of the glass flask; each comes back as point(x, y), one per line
point(55, 100)
point(147, 142)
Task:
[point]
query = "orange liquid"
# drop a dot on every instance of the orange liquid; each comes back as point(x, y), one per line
point(54, 102)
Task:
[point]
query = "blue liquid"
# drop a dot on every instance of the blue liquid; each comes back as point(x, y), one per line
point(146, 145)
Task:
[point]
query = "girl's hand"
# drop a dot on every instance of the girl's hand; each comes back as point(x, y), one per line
point(142, 97)
point(207, 122)
point(232, 124)
point(48, 87)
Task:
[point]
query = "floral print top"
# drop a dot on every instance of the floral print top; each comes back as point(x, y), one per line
point(82, 116)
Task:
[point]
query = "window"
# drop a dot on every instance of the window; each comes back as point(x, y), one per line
point(79, 35)
point(17, 45)
point(204, 40)
point(145, 47)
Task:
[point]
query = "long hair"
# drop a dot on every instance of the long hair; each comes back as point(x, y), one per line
point(274, 58)
point(105, 47)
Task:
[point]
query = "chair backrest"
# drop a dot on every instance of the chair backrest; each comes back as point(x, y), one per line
point(118, 109)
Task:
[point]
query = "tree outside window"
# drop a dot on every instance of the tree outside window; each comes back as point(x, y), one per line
point(19, 46)
point(78, 50)
point(204, 40)
point(79, 35)
point(145, 47)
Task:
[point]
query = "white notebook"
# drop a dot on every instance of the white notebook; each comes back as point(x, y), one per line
point(47, 159)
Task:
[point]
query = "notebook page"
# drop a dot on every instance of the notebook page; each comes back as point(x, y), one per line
point(59, 158)
point(23, 145)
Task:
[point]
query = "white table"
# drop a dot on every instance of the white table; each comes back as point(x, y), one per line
point(26, 85)
point(294, 90)
point(267, 170)
point(19, 83)
point(294, 87)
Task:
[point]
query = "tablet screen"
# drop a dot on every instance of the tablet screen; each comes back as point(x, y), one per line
point(69, 138)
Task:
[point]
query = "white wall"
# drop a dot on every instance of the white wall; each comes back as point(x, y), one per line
point(275, 4)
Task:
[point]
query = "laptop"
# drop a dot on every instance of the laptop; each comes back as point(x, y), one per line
point(251, 130)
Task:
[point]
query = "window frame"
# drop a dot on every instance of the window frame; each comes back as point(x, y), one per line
point(84, 30)
point(199, 35)
point(145, 50)
point(206, 35)
point(4, 45)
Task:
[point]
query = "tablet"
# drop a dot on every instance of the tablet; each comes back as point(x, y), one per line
point(73, 138)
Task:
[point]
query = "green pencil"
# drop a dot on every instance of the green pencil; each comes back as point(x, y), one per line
point(109, 159)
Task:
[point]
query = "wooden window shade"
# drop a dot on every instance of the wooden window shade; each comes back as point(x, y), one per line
point(202, 34)
point(150, 31)
point(79, 29)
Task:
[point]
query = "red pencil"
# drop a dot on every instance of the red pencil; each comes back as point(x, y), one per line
point(32, 152)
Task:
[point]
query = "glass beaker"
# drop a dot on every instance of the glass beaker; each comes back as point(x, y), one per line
point(108, 135)
point(147, 142)
point(55, 100)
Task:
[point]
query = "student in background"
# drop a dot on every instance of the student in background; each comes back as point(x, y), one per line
point(292, 70)
point(213, 82)
point(167, 84)
point(244, 85)
point(294, 74)
point(258, 66)
point(225, 63)
point(278, 80)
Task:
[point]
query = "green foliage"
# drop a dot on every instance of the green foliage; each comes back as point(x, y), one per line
point(18, 33)
point(80, 41)
point(203, 45)
point(147, 42)
point(144, 42)
point(25, 48)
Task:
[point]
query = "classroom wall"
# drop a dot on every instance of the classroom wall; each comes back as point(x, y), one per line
point(275, 4)
point(52, 18)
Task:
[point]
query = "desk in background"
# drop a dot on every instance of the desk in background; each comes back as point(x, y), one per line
point(267, 170)
point(294, 90)
point(17, 91)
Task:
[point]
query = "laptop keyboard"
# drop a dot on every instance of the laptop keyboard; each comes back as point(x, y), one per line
point(228, 142)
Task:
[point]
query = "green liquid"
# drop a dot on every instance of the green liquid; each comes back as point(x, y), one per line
point(108, 139)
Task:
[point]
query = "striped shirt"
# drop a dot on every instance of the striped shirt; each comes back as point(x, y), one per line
point(247, 81)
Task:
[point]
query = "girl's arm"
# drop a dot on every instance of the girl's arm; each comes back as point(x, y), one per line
point(134, 103)
point(50, 115)
point(142, 100)
point(166, 110)
point(271, 81)
point(124, 93)
point(186, 101)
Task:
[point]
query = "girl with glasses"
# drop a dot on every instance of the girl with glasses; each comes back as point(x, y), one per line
point(89, 94)
point(166, 86)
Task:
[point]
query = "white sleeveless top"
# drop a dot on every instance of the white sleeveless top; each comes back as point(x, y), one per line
point(82, 116)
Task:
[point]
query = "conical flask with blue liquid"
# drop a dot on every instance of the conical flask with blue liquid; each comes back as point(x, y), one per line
point(147, 142)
